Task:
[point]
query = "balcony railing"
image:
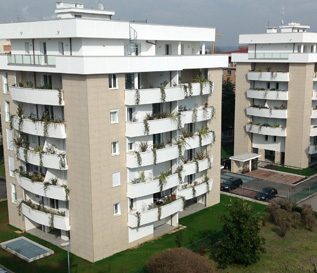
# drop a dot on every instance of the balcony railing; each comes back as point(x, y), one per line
point(43, 60)
point(200, 189)
point(268, 76)
point(267, 94)
point(266, 112)
point(265, 130)
point(268, 56)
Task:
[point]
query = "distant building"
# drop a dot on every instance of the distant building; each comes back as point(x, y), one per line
point(5, 46)
point(276, 97)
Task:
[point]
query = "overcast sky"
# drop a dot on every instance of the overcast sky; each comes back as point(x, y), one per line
point(229, 17)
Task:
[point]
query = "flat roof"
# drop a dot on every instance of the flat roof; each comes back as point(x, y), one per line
point(245, 157)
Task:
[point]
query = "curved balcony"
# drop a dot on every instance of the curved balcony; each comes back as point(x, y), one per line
point(54, 192)
point(200, 190)
point(270, 131)
point(44, 218)
point(153, 95)
point(190, 168)
point(202, 115)
point(193, 142)
point(313, 130)
point(314, 113)
point(267, 94)
point(52, 161)
point(312, 149)
point(54, 130)
point(134, 129)
point(314, 97)
point(268, 76)
point(37, 96)
point(151, 216)
point(266, 113)
point(148, 188)
point(162, 155)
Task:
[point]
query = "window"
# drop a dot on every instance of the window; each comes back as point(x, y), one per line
point(54, 204)
point(5, 83)
point(266, 138)
point(9, 139)
point(116, 209)
point(129, 81)
point(13, 193)
point(130, 114)
point(113, 81)
point(7, 110)
point(77, 16)
point(130, 146)
point(277, 85)
point(268, 85)
point(116, 179)
point(61, 48)
point(229, 72)
point(115, 148)
point(274, 138)
point(11, 165)
point(156, 139)
point(47, 81)
point(114, 116)
point(190, 179)
point(168, 49)
point(131, 205)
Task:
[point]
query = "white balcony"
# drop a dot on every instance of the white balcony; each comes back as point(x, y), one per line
point(134, 129)
point(314, 113)
point(312, 149)
point(268, 76)
point(37, 96)
point(314, 97)
point(43, 218)
point(266, 113)
point(54, 130)
point(202, 115)
point(190, 168)
point(200, 190)
point(153, 95)
point(193, 142)
point(151, 216)
point(267, 94)
point(52, 161)
point(269, 131)
point(54, 192)
point(148, 188)
point(313, 130)
point(162, 155)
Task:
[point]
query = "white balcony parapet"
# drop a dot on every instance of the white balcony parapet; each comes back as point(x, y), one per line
point(191, 168)
point(268, 76)
point(312, 149)
point(162, 155)
point(37, 96)
point(134, 129)
point(314, 113)
point(267, 94)
point(52, 191)
point(151, 216)
point(193, 142)
point(314, 97)
point(313, 130)
point(268, 55)
point(266, 112)
point(53, 161)
point(150, 187)
point(263, 130)
point(200, 189)
point(44, 218)
point(202, 115)
point(153, 95)
point(54, 130)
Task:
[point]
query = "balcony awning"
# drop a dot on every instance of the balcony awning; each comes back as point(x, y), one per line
point(245, 157)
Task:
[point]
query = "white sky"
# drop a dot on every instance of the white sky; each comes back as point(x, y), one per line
point(229, 17)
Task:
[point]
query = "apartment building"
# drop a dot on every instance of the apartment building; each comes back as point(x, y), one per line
point(276, 101)
point(110, 127)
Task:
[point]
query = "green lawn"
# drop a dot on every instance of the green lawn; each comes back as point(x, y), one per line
point(198, 226)
point(227, 150)
point(306, 172)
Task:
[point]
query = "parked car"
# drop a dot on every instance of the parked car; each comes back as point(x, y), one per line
point(266, 193)
point(231, 184)
point(226, 163)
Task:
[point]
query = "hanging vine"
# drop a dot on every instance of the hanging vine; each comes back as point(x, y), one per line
point(162, 180)
point(139, 158)
point(137, 96)
point(60, 96)
point(194, 191)
point(179, 121)
point(159, 213)
point(163, 94)
point(207, 183)
point(154, 156)
point(184, 202)
point(66, 192)
point(190, 88)
point(138, 216)
point(52, 221)
point(185, 90)
point(179, 173)
point(41, 159)
point(25, 151)
point(194, 117)
point(211, 86)
point(62, 161)
point(146, 127)
point(46, 185)
point(197, 165)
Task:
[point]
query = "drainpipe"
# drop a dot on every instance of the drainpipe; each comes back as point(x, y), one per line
point(33, 51)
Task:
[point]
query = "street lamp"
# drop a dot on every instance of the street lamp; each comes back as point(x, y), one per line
point(63, 245)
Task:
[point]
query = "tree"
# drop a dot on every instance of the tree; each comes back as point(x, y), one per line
point(228, 105)
point(241, 242)
point(179, 260)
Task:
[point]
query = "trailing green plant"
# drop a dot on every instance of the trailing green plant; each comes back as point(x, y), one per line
point(29, 84)
point(181, 143)
point(46, 185)
point(202, 133)
point(41, 159)
point(202, 81)
point(185, 90)
point(184, 202)
point(62, 161)
point(60, 96)
point(187, 134)
point(159, 213)
point(146, 127)
point(194, 116)
point(54, 181)
point(142, 176)
point(52, 221)
point(20, 112)
point(144, 146)
point(179, 173)
point(163, 93)
point(66, 192)
point(159, 146)
point(50, 149)
point(11, 121)
point(138, 216)
point(207, 183)
point(137, 96)
point(139, 158)
point(190, 89)
point(25, 151)
point(194, 191)
point(162, 180)
point(209, 162)
point(179, 121)
point(154, 156)
point(197, 165)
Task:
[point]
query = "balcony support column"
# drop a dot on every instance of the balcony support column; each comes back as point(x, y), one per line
point(203, 48)
point(179, 48)
point(136, 81)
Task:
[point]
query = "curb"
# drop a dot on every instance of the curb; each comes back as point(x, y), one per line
point(245, 198)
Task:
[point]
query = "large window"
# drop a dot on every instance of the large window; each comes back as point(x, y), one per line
point(113, 81)
point(5, 82)
point(116, 180)
point(11, 165)
point(7, 110)
point(9, 139)
point(114, 116)
point(116, 209)
point(115, 148)
point(13, 193)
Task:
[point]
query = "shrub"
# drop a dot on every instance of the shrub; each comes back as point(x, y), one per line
point(272, 208)
point(179, 260)
point(287, 205)
point(295, 219)
point(285, 227)
point(308, 216)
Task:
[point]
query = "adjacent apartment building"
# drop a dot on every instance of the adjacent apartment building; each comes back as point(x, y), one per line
point(276, 98)
point(110, 127)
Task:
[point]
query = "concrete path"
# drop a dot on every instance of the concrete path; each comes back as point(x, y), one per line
point(312, 201)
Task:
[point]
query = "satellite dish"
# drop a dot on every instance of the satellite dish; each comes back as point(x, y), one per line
point(100, 6)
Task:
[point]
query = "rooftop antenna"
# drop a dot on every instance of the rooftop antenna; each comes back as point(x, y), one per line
point(282, 16)
point(100, 5)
